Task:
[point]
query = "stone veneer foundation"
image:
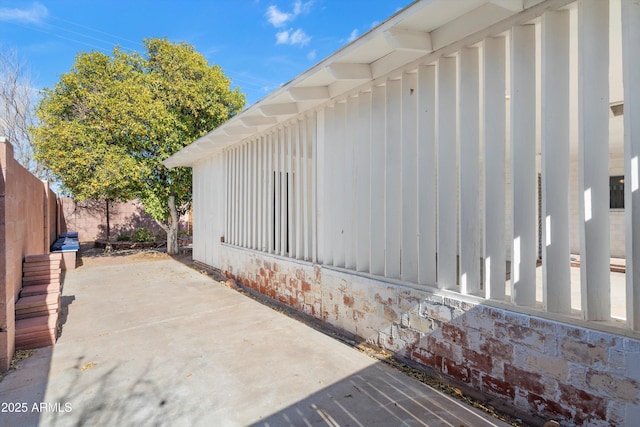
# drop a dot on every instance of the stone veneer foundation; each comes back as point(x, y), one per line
point(544, 367)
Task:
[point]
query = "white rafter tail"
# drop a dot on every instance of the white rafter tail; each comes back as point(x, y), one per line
point(222, 138)
point(286, 109)
point(350, 71)
point(511, 5)
point(407, 40)
point(258, 120)
point(313, 93)
point(239, 130)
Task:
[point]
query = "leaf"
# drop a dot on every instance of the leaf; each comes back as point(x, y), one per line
point(87, 366)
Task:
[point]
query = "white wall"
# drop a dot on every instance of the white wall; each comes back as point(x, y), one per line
point(209, 202)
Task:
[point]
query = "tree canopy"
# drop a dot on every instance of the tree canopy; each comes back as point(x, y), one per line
point(108, 124)
point(17, 99)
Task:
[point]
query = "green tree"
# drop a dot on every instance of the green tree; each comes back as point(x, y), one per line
point(109, 123)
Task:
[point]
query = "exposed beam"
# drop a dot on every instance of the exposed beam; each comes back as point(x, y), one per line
point(309, 93)
point(350, 71)
point(474, 21)
point(220, 138)
point(416, 41)
point(239, 130)
point(279, 109)
point(259, 120)
point(393, 61)
point(512, 5)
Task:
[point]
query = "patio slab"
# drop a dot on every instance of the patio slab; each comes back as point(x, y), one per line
point(157, 343)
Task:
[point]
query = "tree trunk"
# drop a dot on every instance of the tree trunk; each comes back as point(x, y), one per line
point(172, 227)
point(107, 247)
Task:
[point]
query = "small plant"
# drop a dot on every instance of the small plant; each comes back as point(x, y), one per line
point(143, 235)
point(184, 233)
point(124, 237)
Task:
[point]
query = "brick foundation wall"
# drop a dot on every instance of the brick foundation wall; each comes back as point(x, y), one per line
point(28, 212)
point(543, 367)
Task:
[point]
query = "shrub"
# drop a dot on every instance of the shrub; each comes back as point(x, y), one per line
point(143, 235)
point(124, 237)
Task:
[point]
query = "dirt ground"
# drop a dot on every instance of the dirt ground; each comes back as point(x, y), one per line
point(92, 256)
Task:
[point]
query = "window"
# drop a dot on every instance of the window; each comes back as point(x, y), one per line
point(616, 192)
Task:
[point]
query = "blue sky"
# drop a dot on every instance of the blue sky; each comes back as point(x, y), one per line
point(260, 44)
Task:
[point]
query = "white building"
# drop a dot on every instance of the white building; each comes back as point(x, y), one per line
point(385, 189)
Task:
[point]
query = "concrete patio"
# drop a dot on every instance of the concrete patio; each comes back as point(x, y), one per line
point(157, 343)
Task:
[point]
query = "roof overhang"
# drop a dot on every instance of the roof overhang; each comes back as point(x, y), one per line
point(424, 27)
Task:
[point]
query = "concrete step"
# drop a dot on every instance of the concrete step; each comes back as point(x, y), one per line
point(49, 288)
point(43, 257)
point(36, 324)
point(37, 331)
point(41, 264)
point(41, 276)
point(30, 270)
point(32, 314)
point(44, 302)
point(55, 282)
point(37, 309)
point(35, 340)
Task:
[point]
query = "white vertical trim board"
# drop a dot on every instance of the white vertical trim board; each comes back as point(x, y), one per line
point(378, 172)
point(593, 161)
point(523, 165)
point(426, 176)
point(447, 174)
point(495, 128)
point(631, 78)
point(469, 171)
point(555, 162)
point(393, 181)
point(409, 252)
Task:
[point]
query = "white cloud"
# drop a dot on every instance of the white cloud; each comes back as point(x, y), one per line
point(352, 36)
point(302, 7)
point(292, 37)
point(311, 56)
point(279, 18)
point(276, 17)
point(33, 15)
point(299, 37)
point(282, 37)
point(297, 7)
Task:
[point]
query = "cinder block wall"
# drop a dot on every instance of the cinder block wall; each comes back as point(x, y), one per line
point(89, 218)
point(28, 211)
point(553, 369)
